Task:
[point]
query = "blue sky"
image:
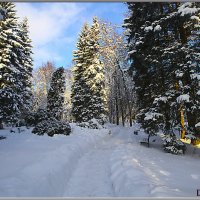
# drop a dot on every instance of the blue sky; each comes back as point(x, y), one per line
point(54, 27)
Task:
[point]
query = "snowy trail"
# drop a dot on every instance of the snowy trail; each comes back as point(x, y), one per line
point(101, 172)
point(118, 166)
point(91, 178)
point(92, 163)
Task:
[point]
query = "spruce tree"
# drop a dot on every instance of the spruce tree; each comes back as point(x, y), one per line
point(79, 87)
point(160, 50)
point(180, 67)
point(27, 63)
point(94, 74)
point(10, 84)
point(189, 71)
point(144, 54)
point(15, 64)
point(88, 88)
point(55, 98)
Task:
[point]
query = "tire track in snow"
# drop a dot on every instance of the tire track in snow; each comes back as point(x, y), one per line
point(91, 177)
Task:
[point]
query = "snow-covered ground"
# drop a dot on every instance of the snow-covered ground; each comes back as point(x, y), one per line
point(93, 163)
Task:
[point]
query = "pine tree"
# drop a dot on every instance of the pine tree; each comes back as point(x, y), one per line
point(9, 65)
point(88, 87)
point(189, 71)
point(177, 27)
point(94, 74)
point(146, 64)
point(160, 51)
point(79, 87)
point(55, 98)
point(15, 64)
point(26, 62)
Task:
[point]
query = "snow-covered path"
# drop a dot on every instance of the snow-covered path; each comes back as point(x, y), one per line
point(91, 177)
point(92, 163)
point(118, 166)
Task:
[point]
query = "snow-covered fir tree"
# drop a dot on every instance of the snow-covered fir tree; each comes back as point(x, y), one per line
point(180, 68)
point(27, 63)
point(13, 65)
point(79, 87)
point(8, 71)
point(55, 98)
point(94, 74)
point(159, 48)
point(145, 66)
point(188, 72)
point(88, 88)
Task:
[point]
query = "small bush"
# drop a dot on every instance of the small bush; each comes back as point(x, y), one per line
point(102, 119)
point(171, 145)
point(40, 116)
point(30, 119)
point(33, 118)
point(52, 126)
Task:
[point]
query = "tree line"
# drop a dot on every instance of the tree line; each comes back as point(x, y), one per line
point(148, 72)
point(97, 84)
point(94, 87)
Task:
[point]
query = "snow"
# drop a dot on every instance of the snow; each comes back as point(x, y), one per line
point(164, 99)
point(197, 125)
point(138, 43)
point(93, 163)
point(195, 76)
point(183, 97)
point(179, 74)
point(2, 65)
point(185, 9)
point(195, 17)
point(152, 116)
point(148, 28)
point(157, 28)
point(34, 165)
point(132, 52)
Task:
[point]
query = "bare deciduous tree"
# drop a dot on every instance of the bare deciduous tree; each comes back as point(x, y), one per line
point(41, 83)
point(120, 96)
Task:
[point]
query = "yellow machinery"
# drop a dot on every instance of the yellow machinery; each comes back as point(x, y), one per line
point(195, 142)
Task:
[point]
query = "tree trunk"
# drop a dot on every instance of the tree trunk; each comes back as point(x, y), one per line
point(1, 125)
point(130, 119)
point(122, 112)
point(117, 110)
point(113, 114)
point(183, 35)
point(149, 140)
point(113, 119)
point(110, 111)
